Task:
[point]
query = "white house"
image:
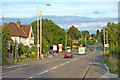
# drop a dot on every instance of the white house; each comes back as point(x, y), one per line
point(21, 33)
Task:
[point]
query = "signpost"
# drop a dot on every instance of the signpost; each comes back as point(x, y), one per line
point(107, 45)
point(54, 49)
point(60, 47)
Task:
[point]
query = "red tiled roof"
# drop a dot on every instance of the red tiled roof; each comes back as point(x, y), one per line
point(22, 31)
point(26, 29)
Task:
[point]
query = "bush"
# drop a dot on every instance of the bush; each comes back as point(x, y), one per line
point(34, 49)
point(32, 55)
point(112, 63)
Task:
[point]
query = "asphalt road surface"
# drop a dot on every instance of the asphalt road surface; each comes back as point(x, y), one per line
point(90, 65)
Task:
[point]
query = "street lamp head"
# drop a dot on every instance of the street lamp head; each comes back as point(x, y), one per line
point(48, 4)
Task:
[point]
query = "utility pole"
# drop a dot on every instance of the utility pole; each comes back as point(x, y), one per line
point(107, 38)
point(40, 34)
point(66, 44)
point(85, 40)
point(104, 39)
point(38, 31)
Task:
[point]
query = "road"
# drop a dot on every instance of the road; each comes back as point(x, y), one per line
point(90, 65)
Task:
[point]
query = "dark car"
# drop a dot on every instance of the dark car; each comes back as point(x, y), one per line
point(68, 55)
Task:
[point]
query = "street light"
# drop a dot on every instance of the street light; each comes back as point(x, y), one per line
point(40, 30)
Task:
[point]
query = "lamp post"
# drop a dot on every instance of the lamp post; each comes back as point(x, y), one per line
point(40, 45)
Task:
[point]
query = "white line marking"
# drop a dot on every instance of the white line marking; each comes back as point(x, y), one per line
point(62, 64)
point(54, 67)
point(68, 61)
point(16, 66)
point(12, 67)
point(43, 72)
point(30, 77)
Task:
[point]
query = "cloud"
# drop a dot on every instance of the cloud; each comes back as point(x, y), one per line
point(92, 27)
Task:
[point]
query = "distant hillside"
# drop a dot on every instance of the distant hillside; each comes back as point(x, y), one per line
point(61, 19)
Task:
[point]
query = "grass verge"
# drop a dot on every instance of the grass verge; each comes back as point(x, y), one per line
point(112, 63)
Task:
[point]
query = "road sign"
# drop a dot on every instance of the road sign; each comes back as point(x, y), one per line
point(60, 47)
point(106, 45)
point(54, 47)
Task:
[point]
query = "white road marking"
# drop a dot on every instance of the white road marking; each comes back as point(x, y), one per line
point(30, 77)
point(68, 61)
point(16, 66)
point(54, 67)
point(62, 64)
point(43, 72)
point(11, 67)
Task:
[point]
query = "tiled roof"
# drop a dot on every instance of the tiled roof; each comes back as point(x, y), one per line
point(22, 31)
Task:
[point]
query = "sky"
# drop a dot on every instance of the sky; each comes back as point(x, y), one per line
point(86, 8)
point(83, 8)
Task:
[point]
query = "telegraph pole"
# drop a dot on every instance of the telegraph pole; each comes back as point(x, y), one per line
point(85, 40)
point(38, 31)
point(104, 39)
point(40, 34)
point(66, 44)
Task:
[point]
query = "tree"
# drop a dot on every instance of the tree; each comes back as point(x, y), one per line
point(74, 33)
point(98, 36)
point(86, 33)
point(51, 34)
point(6, 36)
point(93, 35)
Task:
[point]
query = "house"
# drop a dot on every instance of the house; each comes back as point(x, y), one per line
point(82, 38)
point(75, 41)
point(91, 38)
point(21, 33)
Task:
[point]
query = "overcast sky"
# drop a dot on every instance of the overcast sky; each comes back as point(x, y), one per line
point(86, 8)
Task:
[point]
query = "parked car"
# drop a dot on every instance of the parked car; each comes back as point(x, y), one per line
point(91, 49)
point(68, 55)
point(51, 52)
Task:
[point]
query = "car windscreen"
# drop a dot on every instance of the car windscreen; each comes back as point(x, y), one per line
point(67, 53)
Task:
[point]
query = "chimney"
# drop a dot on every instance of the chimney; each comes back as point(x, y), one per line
point(5, 24)
point(18, 23)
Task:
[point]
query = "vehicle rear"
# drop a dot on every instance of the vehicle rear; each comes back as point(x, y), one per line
point(68, 55)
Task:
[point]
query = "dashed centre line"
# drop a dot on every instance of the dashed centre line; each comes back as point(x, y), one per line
point(55, 67)
point(43, 72)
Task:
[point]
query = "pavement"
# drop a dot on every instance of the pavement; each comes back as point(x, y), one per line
point(90, 65)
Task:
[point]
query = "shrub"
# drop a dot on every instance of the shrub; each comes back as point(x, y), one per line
point(112, 63)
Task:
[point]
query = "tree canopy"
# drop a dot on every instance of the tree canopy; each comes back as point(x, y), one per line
point(74, 32)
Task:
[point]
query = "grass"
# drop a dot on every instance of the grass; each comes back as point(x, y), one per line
point(112, 63)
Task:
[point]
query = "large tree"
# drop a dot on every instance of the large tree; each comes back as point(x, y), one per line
point(74, 32)
point(86, 33)
point(51, 34)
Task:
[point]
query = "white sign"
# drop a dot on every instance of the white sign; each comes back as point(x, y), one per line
point(54, 47)
point(106, 45)
point(60, 47)
point(81, 50)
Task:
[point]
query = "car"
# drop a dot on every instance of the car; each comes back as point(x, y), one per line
point(51, 52)
point(91, 49)
point(68, 55)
